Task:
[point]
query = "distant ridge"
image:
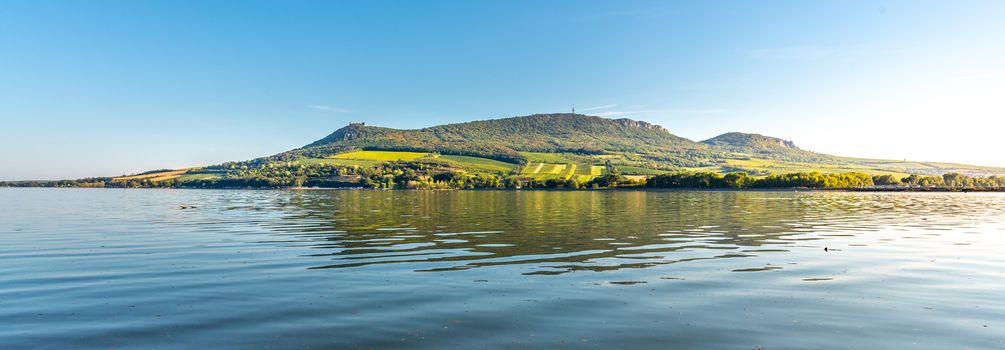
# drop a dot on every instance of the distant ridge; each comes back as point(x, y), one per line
point(758, 141)
point(503, 139)
point(758, 145)
point(640, 144)
point(552, 149)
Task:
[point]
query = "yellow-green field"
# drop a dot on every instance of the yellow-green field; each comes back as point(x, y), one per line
point(779, 167)
point(186, 174)
point(925, 167)
point(381, 155)
point(371, 158)
point(479, 164)
point(572, 171)
point(544, 166)
point(337, 161)
point(542, 171)
point(583, 168)
point(634, 170)
point(154, 177)
point(553, 158)
point(198, 176)
point(586, 166)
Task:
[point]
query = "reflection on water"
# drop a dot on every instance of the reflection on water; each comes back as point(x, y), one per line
point(468, 269)
point(565, 231)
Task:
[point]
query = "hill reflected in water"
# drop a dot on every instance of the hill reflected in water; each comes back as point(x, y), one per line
point(563, 231)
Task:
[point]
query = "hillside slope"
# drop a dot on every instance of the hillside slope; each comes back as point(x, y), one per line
point(767, 147)
point(537, 150)
point(636, 147)
point(504, 139)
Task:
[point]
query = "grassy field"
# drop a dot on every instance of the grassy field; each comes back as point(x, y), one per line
point(926, 167)
point(186, 174)
point(775, 167)
point(531, 168)
point(198, 176)
point(553, 158)
point(766, 166)
point(338, 161)
point(381, 155)
point(571, 173)
point(586, 166)
point(479, 164)
point(371, 158)
point(633, 170)
point(583, 168)
point(544, 166)
point(154, 177)
point(541, 166)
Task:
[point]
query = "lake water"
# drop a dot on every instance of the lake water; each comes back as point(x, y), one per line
point(112, 268)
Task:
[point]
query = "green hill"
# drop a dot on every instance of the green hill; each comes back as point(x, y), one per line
point(634, 147)
point(756, 145)
point(537, 150)
point(504, 139)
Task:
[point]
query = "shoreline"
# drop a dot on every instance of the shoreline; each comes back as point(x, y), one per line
point(641, 189)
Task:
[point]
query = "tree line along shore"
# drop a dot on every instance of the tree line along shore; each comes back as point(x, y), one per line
point(552, 151)
point(418, 175)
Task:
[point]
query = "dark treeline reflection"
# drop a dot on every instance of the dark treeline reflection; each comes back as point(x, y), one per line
point(563, 231)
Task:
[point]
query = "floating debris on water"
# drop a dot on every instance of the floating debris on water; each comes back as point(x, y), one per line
point(758, 269)
point(627, 282)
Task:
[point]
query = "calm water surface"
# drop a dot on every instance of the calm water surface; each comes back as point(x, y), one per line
point(103, 268)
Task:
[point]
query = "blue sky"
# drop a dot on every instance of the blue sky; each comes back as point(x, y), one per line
point(95, 88)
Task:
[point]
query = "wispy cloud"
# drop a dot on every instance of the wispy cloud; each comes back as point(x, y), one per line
point(691, 111)
point(330, 109)
point(793, 53)
point(597, 108)
point(620, 113)
point(697, 111)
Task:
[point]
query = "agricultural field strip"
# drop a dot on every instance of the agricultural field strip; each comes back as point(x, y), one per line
point(381, 155)
point(572, 171)
point(164, 175)
point(373, 157)
point(581, 172)
point(780, 167)
point(538, 168)
point(479, 164)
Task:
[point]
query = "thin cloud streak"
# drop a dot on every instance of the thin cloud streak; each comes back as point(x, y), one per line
point(698, 111)
point(598, 108)
point(691, 111)
point(620, 113)
point(329, 109)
